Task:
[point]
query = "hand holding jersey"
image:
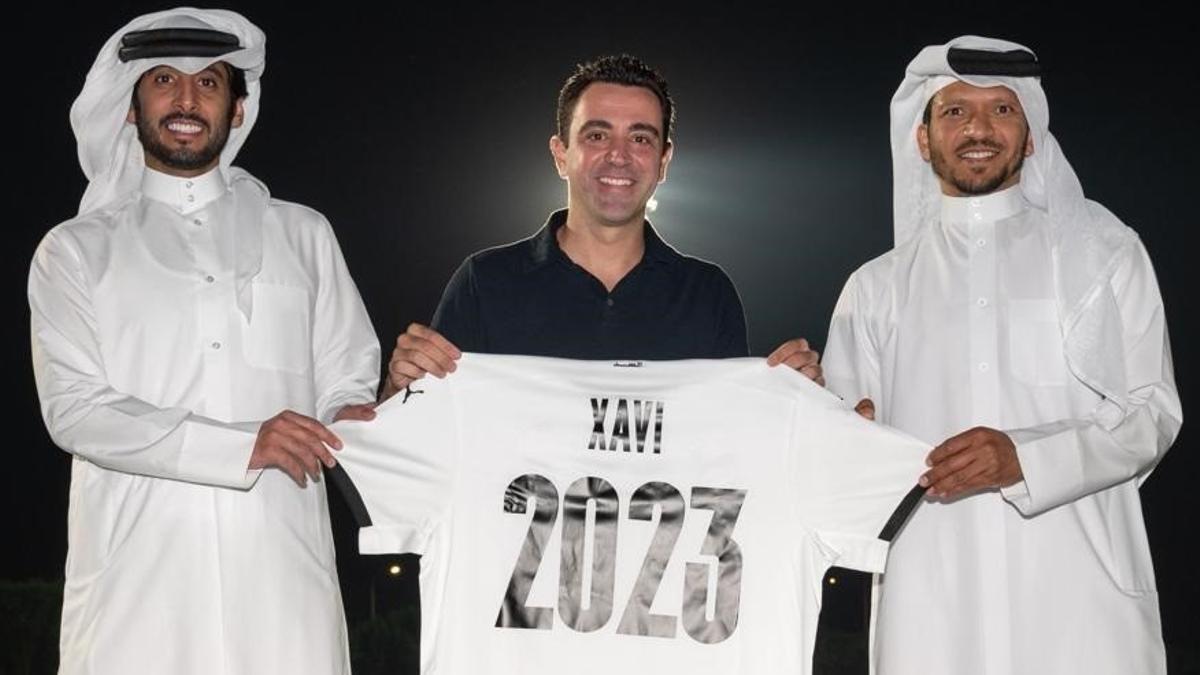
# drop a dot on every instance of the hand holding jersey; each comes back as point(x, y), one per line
point(298, 445)
point(419, 350)
point(295, 444)
point(797, 355)
point(976, 459)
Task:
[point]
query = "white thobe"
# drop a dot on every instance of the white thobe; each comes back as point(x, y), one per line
point(156, 378)
point(959, 328)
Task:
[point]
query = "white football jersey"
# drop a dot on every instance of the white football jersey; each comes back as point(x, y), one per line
point(619, 517)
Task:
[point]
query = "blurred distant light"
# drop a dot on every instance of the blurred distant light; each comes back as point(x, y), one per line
point(395, 569)
point(651, 205)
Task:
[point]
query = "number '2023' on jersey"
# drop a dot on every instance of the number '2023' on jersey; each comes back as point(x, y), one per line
point(616, 517)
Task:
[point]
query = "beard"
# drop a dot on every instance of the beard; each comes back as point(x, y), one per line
point(183, 158)
point(971, 184)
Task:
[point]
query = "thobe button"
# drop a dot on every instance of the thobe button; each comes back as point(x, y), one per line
point(981, 242)
point(982, 302)
point(609, 302)
point(188, 183)
point(191, 198)
point(197, 222)
point(210, 278)
point(983, 367)
point(216, 345)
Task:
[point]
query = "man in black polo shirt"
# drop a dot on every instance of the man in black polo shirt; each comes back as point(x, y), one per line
point(596, 282)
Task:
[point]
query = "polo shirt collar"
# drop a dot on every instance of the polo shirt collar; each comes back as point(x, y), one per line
point(545, 246)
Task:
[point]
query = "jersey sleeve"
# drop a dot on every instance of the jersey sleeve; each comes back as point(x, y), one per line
point(397, 472)
point(853, 475)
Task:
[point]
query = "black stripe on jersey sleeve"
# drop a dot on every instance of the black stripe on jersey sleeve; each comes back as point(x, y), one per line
point(842, 644)
point(901, 514)
point(350, 493)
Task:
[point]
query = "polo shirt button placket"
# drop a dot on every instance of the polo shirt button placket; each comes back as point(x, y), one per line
point(606, 310)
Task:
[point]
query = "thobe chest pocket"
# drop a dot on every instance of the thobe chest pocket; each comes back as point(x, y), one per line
point(1035, 343)
point(279, 334)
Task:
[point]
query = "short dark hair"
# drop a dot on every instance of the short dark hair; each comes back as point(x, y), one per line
point(619, 69)
point(237, 85)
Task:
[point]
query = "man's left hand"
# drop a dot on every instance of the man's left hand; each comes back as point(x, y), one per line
point(976, 459)
point(797, 355)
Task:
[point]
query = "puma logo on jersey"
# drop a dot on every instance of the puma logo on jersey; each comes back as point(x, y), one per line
point(409, 391)
point(621, 434)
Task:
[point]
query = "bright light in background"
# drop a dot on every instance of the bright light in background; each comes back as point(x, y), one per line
point(786, 220)
point(395, 569)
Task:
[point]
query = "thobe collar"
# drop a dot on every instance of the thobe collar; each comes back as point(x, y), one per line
point(987, 208)
point(185, 195)
point(242, 214)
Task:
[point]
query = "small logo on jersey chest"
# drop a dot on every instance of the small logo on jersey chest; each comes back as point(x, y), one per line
point(628, 425)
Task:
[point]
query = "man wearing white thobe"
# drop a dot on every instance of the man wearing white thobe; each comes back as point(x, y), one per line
point(1019, 326)
point(191, 337)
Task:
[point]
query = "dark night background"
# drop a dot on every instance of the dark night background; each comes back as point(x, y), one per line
point(422, 135)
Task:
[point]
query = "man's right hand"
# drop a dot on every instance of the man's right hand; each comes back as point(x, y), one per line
point(295, 444)
point(419, 350)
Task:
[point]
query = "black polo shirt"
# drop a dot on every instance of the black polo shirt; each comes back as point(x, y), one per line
point(529, 298)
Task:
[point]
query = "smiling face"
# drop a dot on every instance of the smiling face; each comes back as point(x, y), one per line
point(615, 154)
point(977, 139)
point(183, 120)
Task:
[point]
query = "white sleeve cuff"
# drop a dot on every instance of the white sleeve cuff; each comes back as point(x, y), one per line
point(1017, 494)
point(865, 554)
point(216, 454)
point(391, 539)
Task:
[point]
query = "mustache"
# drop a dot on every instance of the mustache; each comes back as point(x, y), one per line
point(979, 145)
